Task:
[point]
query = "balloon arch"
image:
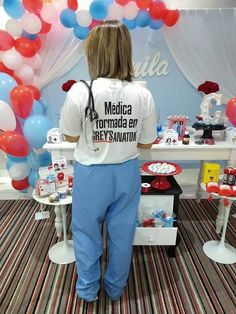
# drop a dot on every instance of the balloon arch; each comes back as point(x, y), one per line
point(23, 120)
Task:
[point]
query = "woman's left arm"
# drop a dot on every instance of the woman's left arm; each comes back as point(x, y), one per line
point(70, 123)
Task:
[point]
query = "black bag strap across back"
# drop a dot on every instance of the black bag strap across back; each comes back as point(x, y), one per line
point(90, 108)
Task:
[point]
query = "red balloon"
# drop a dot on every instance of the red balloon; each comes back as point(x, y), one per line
point(143, 4)
point(26, 47)
point(157, 10)
point(18, 80)
point(13, 143)
point(72, 4)
point(231, 110)
point(37, 42)
point(6, 40)
point(122, 2)
point(4, 69)
point(22, 99)
point(46, 27)
point(94, 23)
point(35, 91)
point(20, 184)
point(33, 5)
point(171, 17)
point(18, 128)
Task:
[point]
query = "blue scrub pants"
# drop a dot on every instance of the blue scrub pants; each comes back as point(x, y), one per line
point(110, 193)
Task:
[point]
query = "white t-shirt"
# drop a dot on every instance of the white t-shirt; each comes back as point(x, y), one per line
point(127, 116)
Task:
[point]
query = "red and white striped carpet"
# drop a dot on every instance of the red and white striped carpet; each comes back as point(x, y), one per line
point(189, 283)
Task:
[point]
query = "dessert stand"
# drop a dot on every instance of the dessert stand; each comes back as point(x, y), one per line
point(160, 182)
point(63, 251)
point(207, 128)
point(219, 251)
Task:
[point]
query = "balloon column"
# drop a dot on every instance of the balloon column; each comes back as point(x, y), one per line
point(23, 123)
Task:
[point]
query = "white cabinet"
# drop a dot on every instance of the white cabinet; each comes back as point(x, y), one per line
point(156, 200)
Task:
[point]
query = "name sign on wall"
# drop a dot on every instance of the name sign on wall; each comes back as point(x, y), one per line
point(152, 66)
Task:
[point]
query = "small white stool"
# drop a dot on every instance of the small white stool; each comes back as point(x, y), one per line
point(219, 251)
point(63, 251)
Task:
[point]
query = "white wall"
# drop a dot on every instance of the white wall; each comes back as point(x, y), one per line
point(2, 164)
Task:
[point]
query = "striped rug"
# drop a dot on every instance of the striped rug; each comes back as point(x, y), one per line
point(189, 283)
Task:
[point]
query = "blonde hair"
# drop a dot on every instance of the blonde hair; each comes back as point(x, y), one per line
point(109, 51)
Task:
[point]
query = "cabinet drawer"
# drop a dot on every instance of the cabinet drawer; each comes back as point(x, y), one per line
point(150, 203)
point(155, 236)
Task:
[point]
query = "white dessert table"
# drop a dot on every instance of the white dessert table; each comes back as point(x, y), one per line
point(219, 251)
point(221, 150)
point(63, 251)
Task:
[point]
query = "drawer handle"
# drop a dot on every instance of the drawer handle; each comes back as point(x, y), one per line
point(150, 240)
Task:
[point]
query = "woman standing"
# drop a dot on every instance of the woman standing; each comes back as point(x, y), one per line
point(109, 119)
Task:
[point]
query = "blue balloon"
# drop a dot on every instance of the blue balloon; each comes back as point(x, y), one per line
point(81, 32)
point(35, 130)
point(155, 24)
point(11, 160)
point(44, 105)
point(24, 191)
point(32, 178)
point(16, 159)
point(143, 18)
point(107, 1)
point(21, 120)
point(44, 159)
point(131, 24)
point(29, 36)
point(37, 108)
point(32, 159)
point(13, 8)
point(7, 83)
point(9, 163)
point(98, 9)
point(68, 18)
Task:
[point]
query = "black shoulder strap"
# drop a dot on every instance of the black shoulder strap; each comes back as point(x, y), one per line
point(89, 86)
point(90, 106)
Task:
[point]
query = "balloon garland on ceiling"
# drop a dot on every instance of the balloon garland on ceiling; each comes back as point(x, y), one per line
point(23, 120)
point(139, 13)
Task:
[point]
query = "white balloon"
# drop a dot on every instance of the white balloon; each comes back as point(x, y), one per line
point(115, 12)
point(84, 18)
point(38, 82)
point(35, 62)
point(14, 27)
point(7, 117)
point(31, 23)
point(19, 171)
point(25, 73)
point(83, 4)
point(60, 4)
point(49, 13)
point(130, 10)
point(12, 59)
